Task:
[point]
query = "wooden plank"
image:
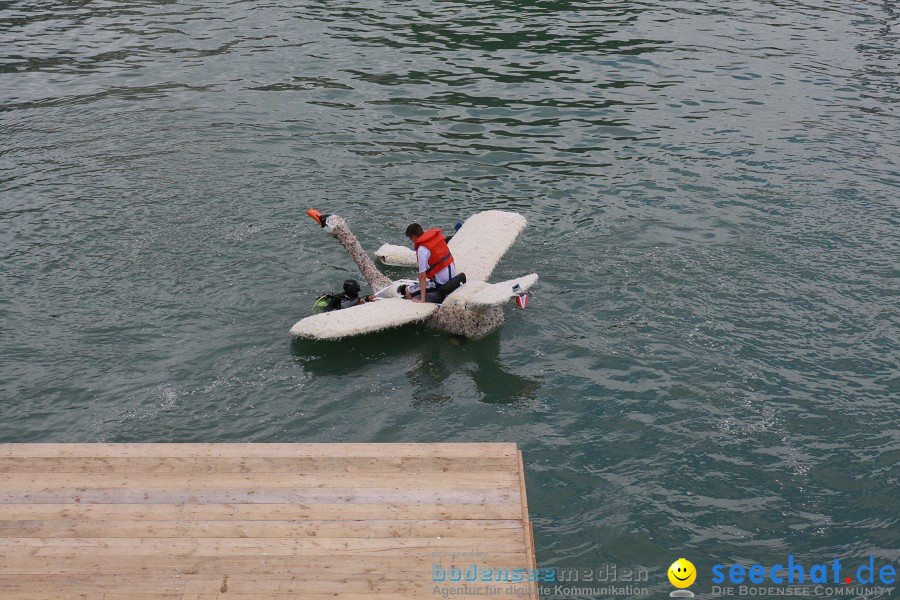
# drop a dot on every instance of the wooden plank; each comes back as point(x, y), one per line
point(47, 595)
point(299, 580)
point(268, 481)
point(269, 464)
point(297, 575)
point(509, 529)
point(234, 584)
point(173, 596)
point(266, 496)
point(375, 585)
point(449, 450)
point(528, 535)
point(260, 512)
point(388, 566)
point(270, 521)
point(213, 596)
point(249, 546)
point(529, 542)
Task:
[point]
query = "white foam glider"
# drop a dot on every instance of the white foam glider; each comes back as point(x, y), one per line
point(372, 316)
point(477, 248)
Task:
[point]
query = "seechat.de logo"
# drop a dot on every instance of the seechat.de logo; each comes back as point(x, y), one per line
point(682, 574)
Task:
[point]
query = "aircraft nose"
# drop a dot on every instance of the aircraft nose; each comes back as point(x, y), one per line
point(317, 216)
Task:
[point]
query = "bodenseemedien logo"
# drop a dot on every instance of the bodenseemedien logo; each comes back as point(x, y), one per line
point(682, 574)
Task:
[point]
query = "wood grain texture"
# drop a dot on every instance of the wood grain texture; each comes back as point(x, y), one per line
point(261, 521)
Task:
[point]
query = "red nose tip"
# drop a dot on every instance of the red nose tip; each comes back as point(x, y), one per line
point(317, 216)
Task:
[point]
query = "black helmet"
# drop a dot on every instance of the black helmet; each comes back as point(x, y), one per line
point(351, 288)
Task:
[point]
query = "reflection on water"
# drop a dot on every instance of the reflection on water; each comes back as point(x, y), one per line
point(434, 359)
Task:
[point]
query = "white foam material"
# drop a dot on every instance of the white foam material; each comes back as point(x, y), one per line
point(480, 293)
point(396, 256)
point(483, 240)
point(365, 318)
point(477, 247)
point(391, 290)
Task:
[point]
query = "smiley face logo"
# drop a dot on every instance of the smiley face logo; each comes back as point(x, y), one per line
point(682, 573)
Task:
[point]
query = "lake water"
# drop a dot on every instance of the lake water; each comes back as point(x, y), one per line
point(708, 366)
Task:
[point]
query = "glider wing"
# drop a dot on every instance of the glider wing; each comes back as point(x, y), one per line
point(482, 294)
point(396, 256)
point(483, 240)
point(365, 318)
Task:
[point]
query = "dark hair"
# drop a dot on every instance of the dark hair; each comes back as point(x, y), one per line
point(414, 229)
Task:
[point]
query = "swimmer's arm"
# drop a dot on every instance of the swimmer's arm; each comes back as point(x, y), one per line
point(423, 281)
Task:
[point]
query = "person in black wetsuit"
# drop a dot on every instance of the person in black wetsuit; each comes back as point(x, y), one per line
point(349, 298)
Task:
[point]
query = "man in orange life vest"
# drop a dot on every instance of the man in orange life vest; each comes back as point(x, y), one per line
point(435, 264)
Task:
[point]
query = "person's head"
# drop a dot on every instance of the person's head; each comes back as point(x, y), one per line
point(351, 288)
point(414, 231)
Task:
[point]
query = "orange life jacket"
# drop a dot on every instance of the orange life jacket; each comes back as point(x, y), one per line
point(440, 253)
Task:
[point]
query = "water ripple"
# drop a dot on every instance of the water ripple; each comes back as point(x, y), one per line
point(709, 365)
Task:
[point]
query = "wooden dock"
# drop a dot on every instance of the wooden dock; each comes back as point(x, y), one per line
point(261, 521)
